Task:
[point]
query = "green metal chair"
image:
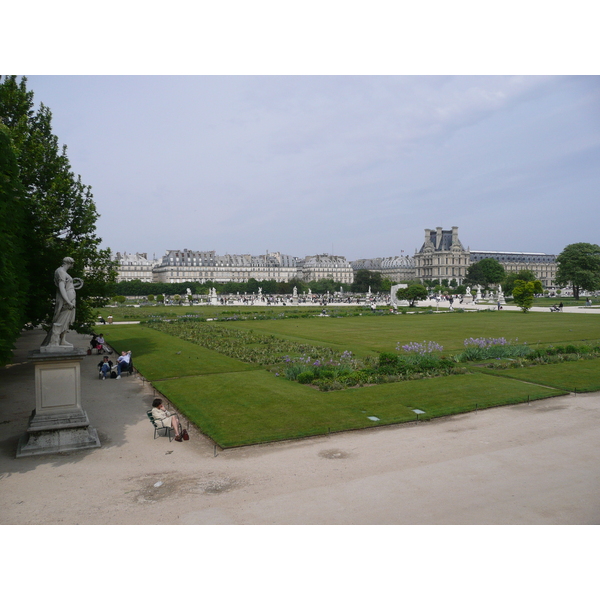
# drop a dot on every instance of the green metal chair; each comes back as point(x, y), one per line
point(158, 428)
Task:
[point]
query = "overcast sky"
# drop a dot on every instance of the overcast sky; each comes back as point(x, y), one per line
point(350, 165)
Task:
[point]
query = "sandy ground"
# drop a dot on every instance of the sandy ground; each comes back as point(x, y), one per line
point(527, 464)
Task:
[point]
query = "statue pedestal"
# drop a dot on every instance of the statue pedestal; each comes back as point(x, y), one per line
point(58, 422)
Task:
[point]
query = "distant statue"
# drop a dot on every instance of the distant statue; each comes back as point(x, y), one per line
point(260, 291)
point(469, 291)
point(499, 288)
point(64, 310)
point(295, 291)
point(188, 292)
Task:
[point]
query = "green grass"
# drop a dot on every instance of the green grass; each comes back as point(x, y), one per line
point(237, 404)
point(160, 356)
point(381, 334)
point(582, 375)
point(238, 409)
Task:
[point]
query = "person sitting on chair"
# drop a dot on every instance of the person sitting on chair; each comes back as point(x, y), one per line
point(166, 419)
point(105, 366)
point(100, 343)
point(123, 362)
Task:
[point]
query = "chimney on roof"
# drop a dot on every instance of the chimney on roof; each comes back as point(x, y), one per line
point(438, 237)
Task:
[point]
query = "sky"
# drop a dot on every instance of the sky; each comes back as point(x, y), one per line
point(351, 165)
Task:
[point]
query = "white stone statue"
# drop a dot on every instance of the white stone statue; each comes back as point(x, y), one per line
point(188, 292)
point(469, 291)
point(64, 310)
point(295, 291)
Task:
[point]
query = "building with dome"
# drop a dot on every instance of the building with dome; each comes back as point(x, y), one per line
point(394, 268)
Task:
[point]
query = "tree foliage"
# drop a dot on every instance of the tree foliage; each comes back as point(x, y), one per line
point(365, 279)
point(59, 214)
point(485, 272)
point(511, 278)
point(15, 286)
point(412, 293)
point(524, 292)
point(579, 267)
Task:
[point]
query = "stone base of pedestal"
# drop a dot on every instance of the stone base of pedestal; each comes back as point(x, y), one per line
point(58, 423)
point(49, 434)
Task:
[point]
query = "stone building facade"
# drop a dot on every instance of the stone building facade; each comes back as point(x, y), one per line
point(442, 256)
point(394, 268)
point(543, 265)
point(136, 265)
point(178, 266)
point(325, 266)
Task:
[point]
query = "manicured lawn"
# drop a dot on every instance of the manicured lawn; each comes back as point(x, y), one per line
point(160, 356)
point(582, 375)
point(364, 335)
point(236, 404)
point(247, 408)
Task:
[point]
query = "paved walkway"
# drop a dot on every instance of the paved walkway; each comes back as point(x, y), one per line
point(525, 464)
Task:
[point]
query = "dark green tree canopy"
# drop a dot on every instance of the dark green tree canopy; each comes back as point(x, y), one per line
point(14, 285)
point(59, 212)
point(579, 267)
point(485, 272)
point(511, 278)
point(363, 279)
point(412, 293)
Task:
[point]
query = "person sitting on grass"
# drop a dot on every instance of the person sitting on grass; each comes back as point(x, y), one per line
point(105, 366)
point(166, 419)
point(123, 362)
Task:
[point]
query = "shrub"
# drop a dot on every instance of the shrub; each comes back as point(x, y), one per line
point(388, 359)
point(306, 377)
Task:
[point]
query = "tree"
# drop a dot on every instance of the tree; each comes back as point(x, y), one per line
point(524, 291)
point(386, 284)
point(485, 272)
point(412, 293)
point(15, 285)
point(511, 278)
point(60, 214)
point(579, 267)
point(365, 279)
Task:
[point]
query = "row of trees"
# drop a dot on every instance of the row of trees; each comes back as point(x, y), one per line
point(46, 213)
point(363, 281)
point(268, 286)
